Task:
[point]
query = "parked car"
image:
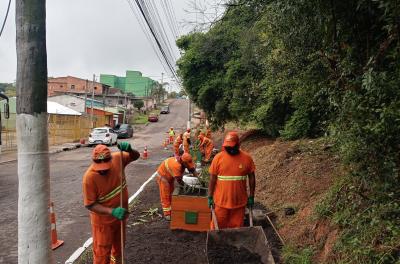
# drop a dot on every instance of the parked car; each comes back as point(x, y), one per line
point(103, 135)
point(124, 130)
point(153, 117)
point(164, 110)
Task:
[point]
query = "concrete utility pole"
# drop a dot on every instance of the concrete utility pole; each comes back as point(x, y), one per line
point(33, 151)
point(91, 113)
point(86, 91)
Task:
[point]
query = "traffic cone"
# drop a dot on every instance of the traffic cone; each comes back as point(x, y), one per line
point(165, 144)
point(145, 154)
point(55, 243)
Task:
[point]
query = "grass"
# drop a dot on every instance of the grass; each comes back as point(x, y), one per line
point(140, 119)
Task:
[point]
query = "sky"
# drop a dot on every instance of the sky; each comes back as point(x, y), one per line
point(86, 37)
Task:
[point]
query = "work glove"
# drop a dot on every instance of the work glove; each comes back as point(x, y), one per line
point(210, 201)
point(250, 201)
point(124, 146)
point(119, 213)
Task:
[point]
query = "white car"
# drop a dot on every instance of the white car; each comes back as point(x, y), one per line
point(103, 135)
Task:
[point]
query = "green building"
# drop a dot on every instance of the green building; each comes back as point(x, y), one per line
point(133, 83)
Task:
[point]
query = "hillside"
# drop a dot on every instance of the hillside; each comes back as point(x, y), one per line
point(296, 174)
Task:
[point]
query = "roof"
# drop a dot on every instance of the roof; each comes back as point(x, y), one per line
point(56, 108)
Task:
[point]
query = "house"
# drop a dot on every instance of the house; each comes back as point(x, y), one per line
point(74, 85)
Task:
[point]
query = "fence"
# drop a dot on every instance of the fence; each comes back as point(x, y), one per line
point(61, 129)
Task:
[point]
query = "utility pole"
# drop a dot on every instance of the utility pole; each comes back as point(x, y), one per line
point(86, 91)
point(91, 113)
point(34, 245)
point(162, 86)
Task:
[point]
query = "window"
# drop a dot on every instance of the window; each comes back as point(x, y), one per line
point(120, 101)
point(72, 87)
point(61, 86)
point(95, 88)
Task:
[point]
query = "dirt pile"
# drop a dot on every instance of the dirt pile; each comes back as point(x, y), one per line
point(295, 174)
point(221, 254)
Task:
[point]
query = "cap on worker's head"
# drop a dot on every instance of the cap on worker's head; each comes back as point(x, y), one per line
point(231, 139)
point(187, 158)
point(101, 158)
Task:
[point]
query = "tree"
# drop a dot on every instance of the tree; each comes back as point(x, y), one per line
point(34, 245)
point(138, 104)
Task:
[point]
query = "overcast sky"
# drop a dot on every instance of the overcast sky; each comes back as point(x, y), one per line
point(86, 37)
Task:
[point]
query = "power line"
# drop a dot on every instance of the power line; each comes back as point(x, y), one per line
point(5, 19)
point(155, 31)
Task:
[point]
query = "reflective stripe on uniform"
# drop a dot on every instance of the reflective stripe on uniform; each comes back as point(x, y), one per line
point(167, 167)
point(167, 209)
point(112, 194)
point(232, 178)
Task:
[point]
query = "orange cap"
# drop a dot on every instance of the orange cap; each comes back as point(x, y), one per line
point(101, 158)
point(187, 158)
point(231, 139)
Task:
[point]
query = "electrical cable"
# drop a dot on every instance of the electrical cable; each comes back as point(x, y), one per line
point(5, 19)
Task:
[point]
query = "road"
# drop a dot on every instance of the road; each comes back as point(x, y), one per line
point(66, 171)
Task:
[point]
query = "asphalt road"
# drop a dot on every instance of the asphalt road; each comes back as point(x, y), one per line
point(66, 171)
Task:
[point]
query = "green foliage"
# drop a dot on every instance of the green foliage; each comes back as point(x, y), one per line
point(310, 68)
point(138, 104)
point(293, 255)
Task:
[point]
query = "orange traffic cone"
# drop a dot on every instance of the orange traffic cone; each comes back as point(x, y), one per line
point(165, 143)
point(145, 154)
point(55, 243)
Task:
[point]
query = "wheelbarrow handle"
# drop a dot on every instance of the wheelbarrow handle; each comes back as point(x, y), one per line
point(214, 218)
point(251, 215)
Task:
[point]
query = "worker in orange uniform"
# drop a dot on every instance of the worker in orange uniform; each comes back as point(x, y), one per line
point(177, 144)
point(227, 190)
point(186, 141)
point(171, 134)
point(206, 147)
point(101, 195)
point(208, 133)
point(170, 170)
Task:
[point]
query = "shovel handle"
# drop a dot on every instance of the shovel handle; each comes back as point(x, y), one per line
point(251, 216)
point(214, 218)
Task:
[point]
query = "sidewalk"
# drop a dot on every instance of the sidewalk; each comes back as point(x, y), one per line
point(10, 156)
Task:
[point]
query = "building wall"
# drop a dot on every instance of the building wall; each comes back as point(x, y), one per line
point(133, 83)
point(70, 84)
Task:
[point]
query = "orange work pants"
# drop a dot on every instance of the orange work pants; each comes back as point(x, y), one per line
point(185, 146)
point(208, 151)
point(228, 218)
point(107, 243)
point(166, 189)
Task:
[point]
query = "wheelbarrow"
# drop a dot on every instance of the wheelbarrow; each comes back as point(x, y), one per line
point(238, 245)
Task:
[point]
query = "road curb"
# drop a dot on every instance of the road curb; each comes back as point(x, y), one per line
point(61, 149)
point(78, 253)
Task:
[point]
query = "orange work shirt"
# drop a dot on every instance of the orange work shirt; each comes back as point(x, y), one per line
point(205, 143)
point(106, 189)
point(231, 186)
point(170, 168)
point(177, 143)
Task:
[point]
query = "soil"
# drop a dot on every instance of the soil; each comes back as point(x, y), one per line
point(295, 174)
point(232, 255)
point(149, 239)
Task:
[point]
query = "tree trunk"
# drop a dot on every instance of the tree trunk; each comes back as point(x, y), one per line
point(33, 160)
